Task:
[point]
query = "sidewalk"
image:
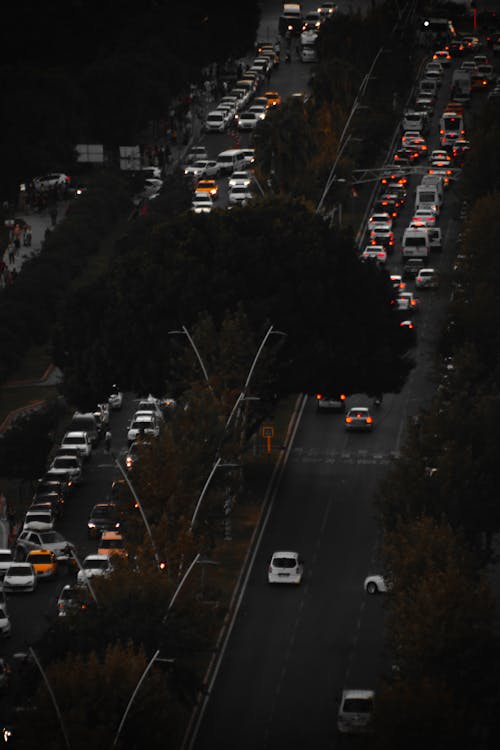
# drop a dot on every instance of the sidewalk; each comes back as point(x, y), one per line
point(39, 223)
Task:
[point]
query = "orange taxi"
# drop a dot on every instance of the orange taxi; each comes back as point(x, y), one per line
point(44, 562)
point(273, 98)
point(112, 543)
point(207, 186)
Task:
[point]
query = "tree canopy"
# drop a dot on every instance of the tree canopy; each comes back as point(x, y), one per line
point(276, 261)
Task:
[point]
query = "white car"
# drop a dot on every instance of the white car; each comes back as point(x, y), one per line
point(374, 252)
point(5, 627)
point(115, 399)
point(216, 122)
point(285, 567)
point(424, 217)
point(426, 279)
point(20, 576)
point(197, 152)
point(240, 179)
point(6, 558)
point(51, 180)
point(202, 203)
point(247, 156)
point(64, 465)
point(94, 565)
point(146, 424)
point(355, 711)
point(382, 220)
point(150, 405)
point(240, 194)
point(375, 584)
point(202, 168)
point(38, 520)
point(248, 120)
point(80, 441)
point(358, 418)
point(259, 109)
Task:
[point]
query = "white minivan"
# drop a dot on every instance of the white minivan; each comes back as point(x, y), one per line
point(416, 243)
point(427, 197)
point(231, 160)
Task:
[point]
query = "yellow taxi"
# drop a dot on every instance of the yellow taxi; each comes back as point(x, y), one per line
point(44, 562)
point(273, 98)
point(207, 186)
point(112, 543)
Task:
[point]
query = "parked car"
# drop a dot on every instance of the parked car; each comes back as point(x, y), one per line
point(94, 565)
point(79, 441)
point(20, 576)
point(115, 398)
point(6, 558)
point(52, 540)
point(38, 520)
point(5, 626)
point(53, 179)
point(65, 465)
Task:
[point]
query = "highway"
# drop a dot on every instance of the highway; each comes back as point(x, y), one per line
point(292, 650)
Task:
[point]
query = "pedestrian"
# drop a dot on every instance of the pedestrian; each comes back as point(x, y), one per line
point(107, 441)
point(17, 243)
point(27, 236)
point(12, 255)
point(53, 215)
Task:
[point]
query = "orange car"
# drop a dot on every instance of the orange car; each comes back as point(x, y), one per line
point(207, 186)
point(112, 543)
point(273, 98)
point(44, 562)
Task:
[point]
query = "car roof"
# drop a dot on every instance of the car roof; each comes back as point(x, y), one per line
point(349, 693)
point(285, 553)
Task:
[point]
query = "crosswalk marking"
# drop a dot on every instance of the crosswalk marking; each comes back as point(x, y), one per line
point(311, 456)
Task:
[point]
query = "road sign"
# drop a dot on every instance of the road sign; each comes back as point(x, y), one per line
point(267, 432)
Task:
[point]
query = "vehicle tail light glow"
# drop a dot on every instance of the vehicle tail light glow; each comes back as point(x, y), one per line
point(348, 420)
point(319, 396)
point(342, 397)
point(369, 420)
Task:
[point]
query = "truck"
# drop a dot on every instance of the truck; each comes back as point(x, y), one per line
point(290, 19)
point(461, 84)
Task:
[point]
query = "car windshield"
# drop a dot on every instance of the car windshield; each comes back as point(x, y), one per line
point(111, 544)
point(284, 562)
point(50, 537)
point(358, 705)
point(95, 564)
point(42, 559)
point(19, 570)
point(102, 512)
point(62, 462)
point(45, 517)
point(74, 441)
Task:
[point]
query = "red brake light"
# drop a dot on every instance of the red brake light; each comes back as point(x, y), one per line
point(319, 396)
point(369, 420)
point(342, 397)
point(348, 420)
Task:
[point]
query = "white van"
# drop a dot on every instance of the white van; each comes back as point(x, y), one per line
point(416, 243)
point(437, 182)
point(230, 161)
point(428, 198)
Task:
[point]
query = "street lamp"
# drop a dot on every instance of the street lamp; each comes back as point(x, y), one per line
point(242, 396)
point(139, 505)
point(184, 331)
point(52, 697)
point(217, 465)
point(132, 697)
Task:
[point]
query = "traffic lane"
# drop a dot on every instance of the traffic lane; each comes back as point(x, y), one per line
point(31, 613)
point(319, 666)
point(288, 651)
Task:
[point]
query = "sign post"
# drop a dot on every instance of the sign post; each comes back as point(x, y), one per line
point(267, 432)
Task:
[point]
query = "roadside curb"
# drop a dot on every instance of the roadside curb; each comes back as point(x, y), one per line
point(21, 411)
point(232, 611)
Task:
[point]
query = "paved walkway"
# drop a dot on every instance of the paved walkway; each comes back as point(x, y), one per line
point(39, 223)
